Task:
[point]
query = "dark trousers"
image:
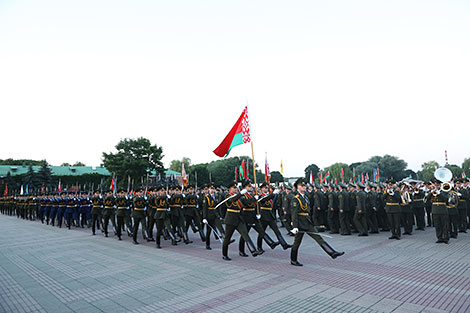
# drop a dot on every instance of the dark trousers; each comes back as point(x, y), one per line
point(273, 225)
point(95, 221)
point(420, 217)
point(372, 222)
point(382, 219)
point(229, 229)
point(161, 223)
point(294, 252)
point(454, 222)
point(360, 221)
point(463, 219)
point(407, 219)
point(151, 222)
point(333, 221)
point(139, 218)
point(318, 217)
point(107, 218)
point(394, 221)
point(429, 216)
point(344, 223)
point(214, 224)
point(256, 226)
point(120, 224)
point(441, 223)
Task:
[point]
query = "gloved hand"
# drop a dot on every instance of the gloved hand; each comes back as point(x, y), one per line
point(294, 231)
point(276, 191)
point(243, 191)
point(258, 216)
point(204, 221)
point(256, 197)
point(168, 196)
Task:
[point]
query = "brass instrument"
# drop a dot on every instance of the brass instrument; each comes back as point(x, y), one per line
point(405, 197)
point(446, 187)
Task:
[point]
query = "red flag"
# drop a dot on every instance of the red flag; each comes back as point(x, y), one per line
point(311, 178)
point(42, 189)
point(336, 181)
point(5, 193)
point(321, 178)
point(362, 177)
point(327, 175)
point(342, 175)
point(367, 177)
point(248, 168)
point(236, 179)
point(113, 186)
point(267, 173)
point(242, 170)
point(239, 134)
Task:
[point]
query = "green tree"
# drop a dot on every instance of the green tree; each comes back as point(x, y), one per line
point(65, 164)
point(392, 167)
point(335, 171)
point(314, 169)
point(11, 161)
point(175, 165)
point(466, 166)
point(134, 158)
point(45, 175)
point(276, 177)
point(202, 174)
point(78, 163)
point(455, 169)
point(428, 169)
point(222, 171)
point(31, 179)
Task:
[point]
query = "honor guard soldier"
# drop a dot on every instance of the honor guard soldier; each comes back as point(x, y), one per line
point(140, 206)
point(343, 205)
point(234, 221)
point(211, 216)
point(151, 210)
point(122, 203)
point(97, 206)
point(162, 217)
point(333, 218)
point(268, 218)
point(303, 224)
point(109, 211)
point(190, 212)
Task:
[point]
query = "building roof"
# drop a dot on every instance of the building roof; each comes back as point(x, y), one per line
point(65, 170)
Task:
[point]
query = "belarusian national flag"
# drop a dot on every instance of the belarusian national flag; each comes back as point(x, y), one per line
point(239, 134)
point(342, 175)
point(242, 170)
point(327, 175)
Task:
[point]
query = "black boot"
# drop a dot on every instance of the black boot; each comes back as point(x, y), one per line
point(293, 257)
point(173, 238)
point(158, 242)
point(270, 241)
point(186, 238)
point(166, 236)
point(202, 235)
point(119, 237)
point(284, 244)
point(330, 251)
point(252, 249)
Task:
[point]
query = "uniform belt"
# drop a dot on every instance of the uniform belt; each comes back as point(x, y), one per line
point(246, 209)
point(62, 205)
point(462, 200)
point(139, 209)
point(122, 207)
point(161, 209)
point(211, 208)
point(416, 200)
point(97, 206)
point(451, 207)
point(70, 206)
point(233, 211)
point(152, 207)
point(304, 214)
point(392, 203)
point(109, 207)
point(190, 206)
point(175, 206)
point(439, 203)
point(265, 208)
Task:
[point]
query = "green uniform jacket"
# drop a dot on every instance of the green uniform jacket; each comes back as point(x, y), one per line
point(266, 207)
point(208, 208)
point(392, 202)
point(302, 214)
point(122, 204)
point(343, 198)
point(233, 216)
point(161, 203)
point(361, 202)
point(109, 205)
point(418, 199)
point(176, 203)
point(190, 203)
point(439, 203)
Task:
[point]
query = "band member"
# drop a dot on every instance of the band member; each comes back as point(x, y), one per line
point(392, 200)
point(303, 224)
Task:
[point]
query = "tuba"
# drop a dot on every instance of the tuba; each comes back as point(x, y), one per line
point(446, 187)
point(443, 174)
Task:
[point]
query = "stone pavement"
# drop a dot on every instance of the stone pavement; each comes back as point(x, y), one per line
point(47, 269)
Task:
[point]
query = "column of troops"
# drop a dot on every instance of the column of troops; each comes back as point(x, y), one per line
point(171, 211)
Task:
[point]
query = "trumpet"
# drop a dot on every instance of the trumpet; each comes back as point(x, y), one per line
point(405, 197)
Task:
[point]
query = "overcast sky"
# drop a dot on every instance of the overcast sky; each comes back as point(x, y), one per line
point(326, 81)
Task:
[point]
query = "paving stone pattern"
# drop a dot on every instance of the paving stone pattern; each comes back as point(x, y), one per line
point(47, 269)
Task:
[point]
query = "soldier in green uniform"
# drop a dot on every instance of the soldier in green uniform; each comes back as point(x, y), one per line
point(234, 221)
point(139, 203)
point(177, 215)
point(109, 211)
point(462, 207)
point(392, 200)
point(268, 218)
point(371, 209)
point(151, 210)
point(360, 219)
point(211, 216)
point(122, 203)
point(352, 205)
point(303, 224)
point(406, 212)
point(333, 218)
point(343, 206)
point(162, 217)
point(417, 197)
point(97, 206)
point(251, 217)
point(454, 218)
point(190, 212)
point(440, 214)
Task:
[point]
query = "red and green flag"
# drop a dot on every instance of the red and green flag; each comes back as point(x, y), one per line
point(354, 175)
point(242, 170)
point(342, 175)
point(238, 135)
point(5, 193)
point(327, 175)
point(464, 175)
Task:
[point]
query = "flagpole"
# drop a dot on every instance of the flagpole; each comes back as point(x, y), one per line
point(254, 175)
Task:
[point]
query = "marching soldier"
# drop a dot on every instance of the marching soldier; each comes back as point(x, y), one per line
point(303, 224)
point(371, 209)
point(343, 206)
point(140, 206)
point(108, 212)
point(440, 214)
point(234, 221)
point(190, 212)
point(406, 213)
point(211, 216)
point(462, 208)
point(392, 200)
point(333, 218)
point(97, 206)
point(162, 217)
point(122, 203)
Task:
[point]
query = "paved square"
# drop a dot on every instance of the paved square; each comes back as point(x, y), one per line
point(47, 269)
